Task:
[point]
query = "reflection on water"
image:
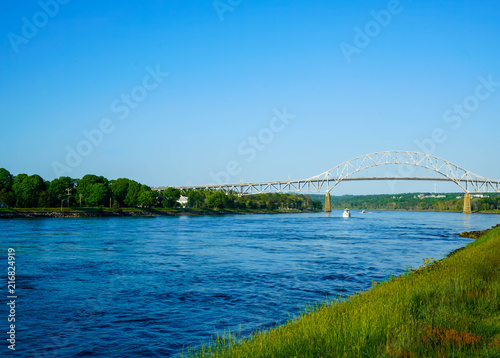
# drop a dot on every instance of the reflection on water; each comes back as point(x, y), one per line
point(467, 221)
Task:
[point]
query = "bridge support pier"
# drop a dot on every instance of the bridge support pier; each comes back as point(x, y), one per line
point(328, 205)
point(467, 207)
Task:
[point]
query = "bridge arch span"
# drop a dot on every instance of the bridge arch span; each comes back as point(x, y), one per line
point(450, 171)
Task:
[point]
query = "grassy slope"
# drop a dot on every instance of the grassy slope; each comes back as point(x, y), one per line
point(449, 308)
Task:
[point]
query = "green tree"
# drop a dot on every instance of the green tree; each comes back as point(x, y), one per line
point(147, 198)
point(6, 179)
point(45, 199)
point(196, 199)
point(17, 188)
point(252, 204)
point(229, 200)
point(91, 195)
point(119, 188)
point(28, 189)
point(240, 203)
point(116, 206)
point(216, 200)
point(58, 189)
point(98, 194)
point(171, 196)
point(7, 196)
point(132, 194)
point(317, 205)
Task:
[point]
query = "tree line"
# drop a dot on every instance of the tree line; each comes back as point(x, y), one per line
point(32, 191)
point(277, 201)
point(450, 202)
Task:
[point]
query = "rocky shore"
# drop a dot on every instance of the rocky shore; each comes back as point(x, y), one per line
point(476, 234)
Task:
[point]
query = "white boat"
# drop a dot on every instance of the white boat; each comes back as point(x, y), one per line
point(347, 213)
point(363, 212)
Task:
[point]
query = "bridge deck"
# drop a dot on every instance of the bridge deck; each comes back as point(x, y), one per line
point(467, 181)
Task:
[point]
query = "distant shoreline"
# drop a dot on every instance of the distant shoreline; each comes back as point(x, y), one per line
point(136, 212)
point(423, 211)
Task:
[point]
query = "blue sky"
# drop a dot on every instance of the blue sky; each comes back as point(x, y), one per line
point(411, 67)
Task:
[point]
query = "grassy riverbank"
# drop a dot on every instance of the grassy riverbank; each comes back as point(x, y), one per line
point(448, 308)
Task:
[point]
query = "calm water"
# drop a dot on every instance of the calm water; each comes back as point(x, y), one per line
point(131, 287)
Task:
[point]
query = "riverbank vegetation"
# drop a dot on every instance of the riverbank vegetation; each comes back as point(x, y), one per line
point(447, 308)
point(91, 191)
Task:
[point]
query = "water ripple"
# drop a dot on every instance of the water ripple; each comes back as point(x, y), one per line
point(128, 287)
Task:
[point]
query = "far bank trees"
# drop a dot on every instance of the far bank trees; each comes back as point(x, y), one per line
point(31, 191)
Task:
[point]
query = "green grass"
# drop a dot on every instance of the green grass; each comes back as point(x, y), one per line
point(447, 308)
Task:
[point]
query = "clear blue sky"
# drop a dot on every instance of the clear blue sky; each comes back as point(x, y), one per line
point(69, 68)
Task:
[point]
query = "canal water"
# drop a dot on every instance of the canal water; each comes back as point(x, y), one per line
point(132, 287)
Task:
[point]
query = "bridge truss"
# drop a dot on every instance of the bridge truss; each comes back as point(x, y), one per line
point(326, 181)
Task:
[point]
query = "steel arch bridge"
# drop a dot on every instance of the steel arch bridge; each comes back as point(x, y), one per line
point(328, 180)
